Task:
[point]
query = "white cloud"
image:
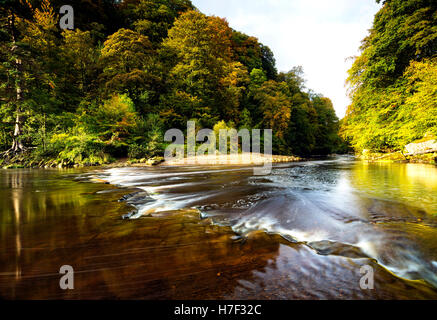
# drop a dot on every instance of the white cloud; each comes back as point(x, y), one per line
point(316, 34)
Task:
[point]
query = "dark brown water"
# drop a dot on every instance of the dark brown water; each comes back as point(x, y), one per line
point(302, 232)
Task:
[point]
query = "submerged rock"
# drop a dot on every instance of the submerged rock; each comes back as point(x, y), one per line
point(129, 215)
point(326, 247)
point(136, 198)
point(96, 180)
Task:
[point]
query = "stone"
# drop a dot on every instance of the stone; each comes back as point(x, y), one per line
point(421, 147)
point(154, 161)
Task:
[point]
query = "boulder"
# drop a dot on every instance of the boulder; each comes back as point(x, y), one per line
point(421, 147)
point(154, 161)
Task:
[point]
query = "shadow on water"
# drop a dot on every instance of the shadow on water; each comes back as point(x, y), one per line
point(302, 232)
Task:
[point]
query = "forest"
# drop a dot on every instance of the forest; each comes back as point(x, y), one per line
point(393, 82)
point(132, 69)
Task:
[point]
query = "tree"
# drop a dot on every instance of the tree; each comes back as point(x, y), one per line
point(326, 131)
point(257, 78)
point(28, 45)
point(79, 56)
point(294, 79)
point(275, 105)
point(153, 18)
point(203, 72)
point(386, 113)
point(100, 17)
point(133, 68)
point(245, 120)
point(247, 50)
point(268, 62)
point(421, 105)
point(128, 63)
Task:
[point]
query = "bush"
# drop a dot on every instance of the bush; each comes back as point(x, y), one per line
point(79, 148)
point(148, 139)
point(137, 151)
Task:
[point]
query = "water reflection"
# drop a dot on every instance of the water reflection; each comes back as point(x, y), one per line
point(16, 200)
point(414, 184)
point(320, 222)
point(344, 207)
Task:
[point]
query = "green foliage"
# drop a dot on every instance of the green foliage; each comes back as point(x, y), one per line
point(393, 82)
point(204, 75)
point(78, 147)
point(221, 125)
point(326, 130)
point(154, 136)
point(115, 119)
point(247, 50)
point(137, 151)
point(268, 62)
point(133, 69)
point(128, 63)
point(403, 30)
point(153, 18)
point(79, 56)
point(246, 121)
point(257, 78)
point(275, 105)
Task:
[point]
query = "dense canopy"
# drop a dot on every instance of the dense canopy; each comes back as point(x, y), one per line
point(132, 69)
point(393, 83)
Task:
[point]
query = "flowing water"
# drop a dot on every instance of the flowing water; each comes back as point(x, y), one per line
point(198, 232)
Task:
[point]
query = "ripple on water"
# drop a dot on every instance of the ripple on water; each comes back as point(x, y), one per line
point(339, 208)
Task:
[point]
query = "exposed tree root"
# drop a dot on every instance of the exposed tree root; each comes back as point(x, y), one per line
point(12, 153)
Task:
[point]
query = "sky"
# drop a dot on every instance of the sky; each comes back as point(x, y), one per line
point(318, 35)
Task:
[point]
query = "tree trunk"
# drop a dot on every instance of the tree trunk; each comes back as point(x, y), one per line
point(17, 144)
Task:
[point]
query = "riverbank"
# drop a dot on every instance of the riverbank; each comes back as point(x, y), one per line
point(26, 161)
point(22, 162)
point(419, 151)
point(238, 159)
point(397, 157)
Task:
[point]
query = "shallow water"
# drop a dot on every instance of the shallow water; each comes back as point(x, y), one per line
point(302, 232)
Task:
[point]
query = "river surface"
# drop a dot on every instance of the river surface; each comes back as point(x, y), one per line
point(308, 230)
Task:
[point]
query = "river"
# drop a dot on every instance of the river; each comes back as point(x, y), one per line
point(305, 231)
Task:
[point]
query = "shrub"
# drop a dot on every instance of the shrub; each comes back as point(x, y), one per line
point(79, 148)
point(137, 151)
